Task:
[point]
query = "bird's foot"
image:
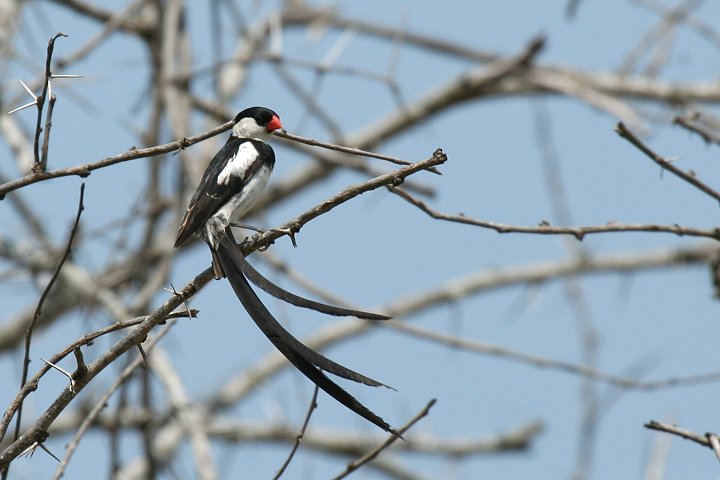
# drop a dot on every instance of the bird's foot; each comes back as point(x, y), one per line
point(254, 239)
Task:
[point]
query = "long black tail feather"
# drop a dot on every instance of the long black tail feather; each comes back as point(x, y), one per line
point(278, 292)
point(230, 257)
point(306, 360)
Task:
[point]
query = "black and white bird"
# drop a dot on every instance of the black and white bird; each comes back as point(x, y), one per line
point(233, 181)
point(231, 185)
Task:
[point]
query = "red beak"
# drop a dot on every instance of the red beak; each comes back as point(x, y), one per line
point(274, 124)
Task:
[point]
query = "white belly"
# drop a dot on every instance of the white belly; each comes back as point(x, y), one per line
point(238, 205)
point(241, 203)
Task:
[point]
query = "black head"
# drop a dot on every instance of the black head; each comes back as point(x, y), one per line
point(256, 122)
point(262, 116)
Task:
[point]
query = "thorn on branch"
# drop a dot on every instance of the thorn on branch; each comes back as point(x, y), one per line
point(536, 44)
point(188, 310)
point(293, 229)
point(146, 360)
point(31, 449)
point(29, 104)
point(40, 164)
point(64, 372)
point(81, 368)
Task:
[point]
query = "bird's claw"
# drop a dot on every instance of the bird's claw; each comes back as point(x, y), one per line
point(253, 240)
point(257, 237)
point(244, 243)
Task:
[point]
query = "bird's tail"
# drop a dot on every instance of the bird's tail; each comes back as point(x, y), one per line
point(305, 359)
point(280, 293)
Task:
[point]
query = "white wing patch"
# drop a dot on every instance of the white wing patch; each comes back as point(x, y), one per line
point(239, 164)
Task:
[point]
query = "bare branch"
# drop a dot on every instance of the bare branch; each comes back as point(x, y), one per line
point(546, 229)
point(40, 103)
point(395, 177)
point(101, 404)
point(666, 165)
point(299, 437)
point(38, 431)
point(370, 456)
point(690, 122)
point(38, 309)
point(709, 440)
point(132, 154)
point(544, 362)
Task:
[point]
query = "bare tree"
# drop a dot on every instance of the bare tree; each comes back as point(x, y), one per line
point(407, 151)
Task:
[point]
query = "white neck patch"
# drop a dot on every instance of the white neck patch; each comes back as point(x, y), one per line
point(248, 128)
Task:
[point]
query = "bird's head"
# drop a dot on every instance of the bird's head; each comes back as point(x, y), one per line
point(256, 122)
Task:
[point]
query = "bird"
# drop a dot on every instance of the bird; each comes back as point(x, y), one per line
point(233, 181)
point(230, 186)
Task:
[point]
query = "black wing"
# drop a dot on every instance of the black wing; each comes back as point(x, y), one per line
point(209, 196)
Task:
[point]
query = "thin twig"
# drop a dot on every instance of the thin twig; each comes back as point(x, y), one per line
point(38, 309)
point(350, 150)
point(352, 466)
point(132, 154)
point(546, 229)
point(691, 179)
point(545, 362)
point(40, 102)
point(681, 432)
point(46, 136)
point(299, 437)
point(705, 133)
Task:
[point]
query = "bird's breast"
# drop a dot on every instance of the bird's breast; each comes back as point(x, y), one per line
point(240, 203)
